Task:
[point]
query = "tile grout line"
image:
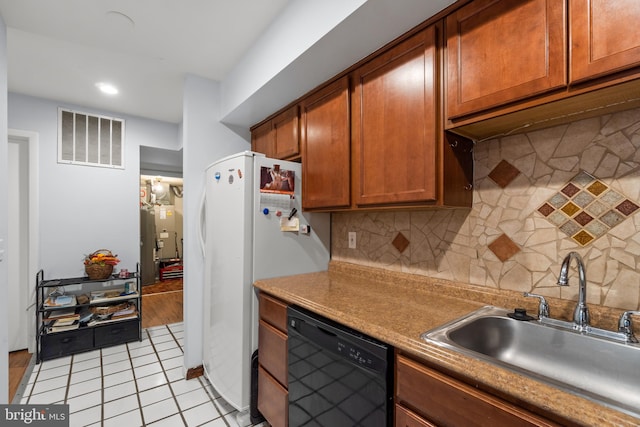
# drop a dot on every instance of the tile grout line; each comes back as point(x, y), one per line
point(213, 402)
point(135, 379)
point(211, 398)
point(164, 372)
point(34, 382)
point(68, 386)
point(102, 392)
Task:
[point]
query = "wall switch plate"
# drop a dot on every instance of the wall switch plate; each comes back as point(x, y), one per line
point(352, 240)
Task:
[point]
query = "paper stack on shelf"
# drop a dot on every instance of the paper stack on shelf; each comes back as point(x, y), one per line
point(64, 324)
point(60, 301)
point(58, 314)
point(124, 311)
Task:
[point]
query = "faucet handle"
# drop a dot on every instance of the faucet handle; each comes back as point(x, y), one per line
point(625, 325)
point(543, 308)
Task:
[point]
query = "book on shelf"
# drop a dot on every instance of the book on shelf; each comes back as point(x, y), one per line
point(60, 301)
point(64, 312)
point(63, 327)
point(67, 321)
point(112, 318)
point(111, 294)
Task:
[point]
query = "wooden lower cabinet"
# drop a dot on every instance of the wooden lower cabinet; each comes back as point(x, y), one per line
point(444, 401)
point(407, 418)
point(272, 352)
point(273, 399)
point(273, 396)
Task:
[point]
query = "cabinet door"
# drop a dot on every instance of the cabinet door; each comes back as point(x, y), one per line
point(273, 311)
point(273, 400)
point(394, 131)
point(500, 51)
point(285, 129)
point(439, 398)
point(272, 352)
point(604, 37)
point(262, 140)
point(406, 418)
point(325, 147)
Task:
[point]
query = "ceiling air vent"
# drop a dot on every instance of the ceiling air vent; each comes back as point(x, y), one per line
point(85, 139)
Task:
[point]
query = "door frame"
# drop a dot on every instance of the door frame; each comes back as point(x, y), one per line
point(31, 139)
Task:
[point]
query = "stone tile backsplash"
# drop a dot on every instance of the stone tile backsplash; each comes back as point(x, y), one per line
point(537, 196)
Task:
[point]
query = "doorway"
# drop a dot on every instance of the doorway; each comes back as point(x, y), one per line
point(161, 228)
point(22, 239)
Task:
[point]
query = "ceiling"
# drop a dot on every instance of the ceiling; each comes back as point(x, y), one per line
point(60, 49)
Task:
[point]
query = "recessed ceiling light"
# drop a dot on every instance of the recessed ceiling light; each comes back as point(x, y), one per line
point(107, 88)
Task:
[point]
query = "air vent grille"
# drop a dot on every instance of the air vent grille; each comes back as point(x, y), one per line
point(85, 139)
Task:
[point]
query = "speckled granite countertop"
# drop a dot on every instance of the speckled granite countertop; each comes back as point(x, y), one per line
point(396, 308)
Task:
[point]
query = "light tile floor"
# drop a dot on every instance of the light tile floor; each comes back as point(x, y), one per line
point(134, 384)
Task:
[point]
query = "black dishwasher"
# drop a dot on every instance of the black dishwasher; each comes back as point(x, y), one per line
point(338, 377)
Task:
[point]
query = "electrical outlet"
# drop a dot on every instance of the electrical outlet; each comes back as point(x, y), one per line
point(352, 240)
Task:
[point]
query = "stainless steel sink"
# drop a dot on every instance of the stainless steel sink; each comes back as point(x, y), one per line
point(601, 369)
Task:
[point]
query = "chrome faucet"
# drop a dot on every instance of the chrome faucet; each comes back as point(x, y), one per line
point(543, 307)
point(625, 326)
point(581, 312)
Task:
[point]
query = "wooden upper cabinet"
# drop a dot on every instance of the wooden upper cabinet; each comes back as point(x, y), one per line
point(262, 140)
point(279, 137)
point(604, 37)
point(395, 127)
point(324, 135)
point(285, 129)
point(500, 51)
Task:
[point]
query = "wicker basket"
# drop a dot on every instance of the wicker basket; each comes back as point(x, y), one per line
point(98, 272)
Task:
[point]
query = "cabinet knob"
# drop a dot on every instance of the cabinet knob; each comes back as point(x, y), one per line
point(468, 186)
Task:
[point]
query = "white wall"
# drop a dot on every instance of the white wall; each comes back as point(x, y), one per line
point(205, 140)
point(4, 288)
point(310, 42)
point(84, 208)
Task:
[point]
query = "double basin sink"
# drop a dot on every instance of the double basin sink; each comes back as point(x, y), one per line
point(603, 369)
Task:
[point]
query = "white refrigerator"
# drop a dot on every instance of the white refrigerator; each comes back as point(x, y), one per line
point(254, 229)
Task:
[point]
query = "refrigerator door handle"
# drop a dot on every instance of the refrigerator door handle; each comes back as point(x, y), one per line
point(202, 228)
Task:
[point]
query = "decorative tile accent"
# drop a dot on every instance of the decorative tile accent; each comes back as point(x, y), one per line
point(583, 199)
point(557, 201)
point(546, 209)
point(597, 188)
point(583, 218)
point(586, 208)
point(504, 173)
point(627, 207)
point(570, 190)
point(400, 242)
point(570, 209)
point(504, 248)
point(612, 218)
point(583, 237)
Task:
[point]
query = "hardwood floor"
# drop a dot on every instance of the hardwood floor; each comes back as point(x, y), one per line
point(18, 364)
point(162, 309)
point(157, 309)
